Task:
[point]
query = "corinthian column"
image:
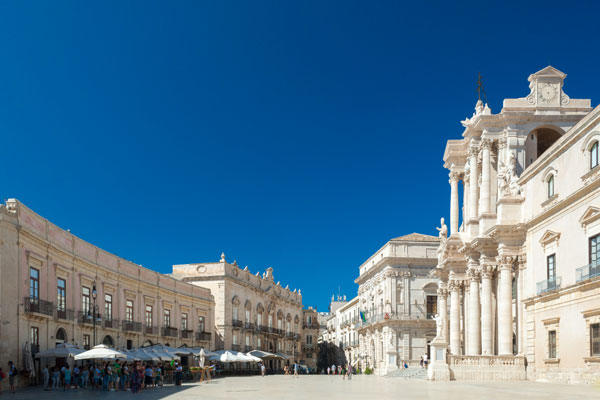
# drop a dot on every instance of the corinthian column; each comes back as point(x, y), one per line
point(487, 348)
point(453, 203)
point(443, 311)
point(484, 205)
point(474, 342)
point(474, 180)
point(454, 287)
point(505, 334)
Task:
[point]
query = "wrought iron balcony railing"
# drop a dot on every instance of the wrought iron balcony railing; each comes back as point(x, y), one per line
point(187, 334)
point(168, 332)
point(38, 306)
point(235, 347)
point(237, 323)
point(150, 330)
point(203, 336)
point(67, 314)
point(111, 323)
point(131, 326)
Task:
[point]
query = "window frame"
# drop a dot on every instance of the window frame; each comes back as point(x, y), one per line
point(553, 258)
point(86, 304)
point(201, 323)
point(148, 315)
point(550, 186)
point(594, 159)
point(61, 294)
point(552, 344)
point(167, 318)
point(594, 242)
point(129, 306)
point(184, 321)
point(595, 339)
point(34, 283)
point(108, 307)
point(34, 334)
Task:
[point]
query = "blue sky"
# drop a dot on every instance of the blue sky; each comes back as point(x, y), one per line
point(297, 135)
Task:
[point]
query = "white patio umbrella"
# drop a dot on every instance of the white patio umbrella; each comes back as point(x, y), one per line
point(28, 359)
point(144, 355)
point(100, 351)
point(252, 358)
point(228, 356)
point(60, 351)
point(162, 355)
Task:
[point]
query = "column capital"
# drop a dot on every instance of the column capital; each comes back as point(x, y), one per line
point(506, 261)
point(486, 144)
point(487, 271)
point(454, 285)
point(502, 143)
point(474, 274)
point(454, 176)
point(473, 151)
point(442, 292)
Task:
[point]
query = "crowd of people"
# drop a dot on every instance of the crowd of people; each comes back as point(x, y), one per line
point(345, 371)
point(109, 376)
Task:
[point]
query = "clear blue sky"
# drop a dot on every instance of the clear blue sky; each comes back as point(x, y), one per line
point(297, 135)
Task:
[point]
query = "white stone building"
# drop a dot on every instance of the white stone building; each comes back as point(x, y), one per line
point(398, 298)
point(520, 267)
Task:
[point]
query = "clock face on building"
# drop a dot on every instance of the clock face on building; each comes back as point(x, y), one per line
point(547, 93)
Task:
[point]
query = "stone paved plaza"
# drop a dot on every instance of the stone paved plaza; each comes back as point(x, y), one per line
point(333, 387)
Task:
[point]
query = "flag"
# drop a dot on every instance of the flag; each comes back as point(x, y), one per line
point(362, 316)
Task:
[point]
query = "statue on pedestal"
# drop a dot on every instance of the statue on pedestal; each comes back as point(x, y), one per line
point(508, 177)
point(443, 231)
point(438, 326)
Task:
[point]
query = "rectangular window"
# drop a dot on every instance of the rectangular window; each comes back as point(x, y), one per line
point(270, 321)
point(61, 298)
point(309, 320)
point(86, 342)
point(595, 340)
point(279, 324)
point(248, 316)
point(184, 322)
point(235, 314)
point(129, 311)
point(551, 186)
point(594, 251)
point(201, 324)
point(85, 300)
point(551, 267)
point(149, 316)
point(259, 319)
point(552, 344)
point(108, 307)
point(247, 340)
point(34, 283)
point(235, 338)
point(35, 336)
point(287, 326)
point(167, 318)
point(258, 343)
point(308, 339)
point(431, 306)
point(594, 156)
point(295, 327)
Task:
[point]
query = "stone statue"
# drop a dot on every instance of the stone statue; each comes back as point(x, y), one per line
point(443, 229)
point(508, 177)
point(438, 326)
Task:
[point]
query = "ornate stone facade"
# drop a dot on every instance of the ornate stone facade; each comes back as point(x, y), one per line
point(521, 269)
point(252, 310)
point(47, 282)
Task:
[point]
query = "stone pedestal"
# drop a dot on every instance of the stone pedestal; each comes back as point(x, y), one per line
point(438, 367)
point(509, 210)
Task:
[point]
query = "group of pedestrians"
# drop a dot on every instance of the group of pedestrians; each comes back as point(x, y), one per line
point(344, 371)
point(109, 376)
point(295, 368)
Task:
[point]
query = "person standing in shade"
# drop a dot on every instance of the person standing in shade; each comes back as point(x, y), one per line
point(55, 378)
point(332, 369)
point(263, 370)
point(296, 370)
point(12, 376)
point(46, 376)
point(67, 375)
point(328, 370)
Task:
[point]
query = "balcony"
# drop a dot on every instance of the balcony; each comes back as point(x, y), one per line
point(111, 323)
point(150, 330)
point(235, 347)
point(249, 325)
point(290, 334)
point(131, 326)
point(237, 323)
point(67, 314)
point(35, 348)
point(187, 334)
point(84, 317)
point(203, 336)
point(263, 328)
point(549, 285)
point(247, 349)
point(588, 272)
point(168, 332)
point(38, 306)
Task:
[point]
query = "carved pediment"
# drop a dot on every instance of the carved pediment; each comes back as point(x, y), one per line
point(590, 215)
point(549, 237)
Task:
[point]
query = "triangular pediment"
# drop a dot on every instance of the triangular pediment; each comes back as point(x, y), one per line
point(548, 72)
point(549, 237)
point(590, 215)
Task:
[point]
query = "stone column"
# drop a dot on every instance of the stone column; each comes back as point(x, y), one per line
point(484, 205)
point(474, 342)
point(453, 203)
point(443, 311)
point(505, 334)
point(454, 288)
point(474, 180)
point(487, 334)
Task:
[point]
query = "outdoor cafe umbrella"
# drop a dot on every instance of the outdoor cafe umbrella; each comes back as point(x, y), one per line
point(251, 358)
point(60, 351)
point(100, 352)
point(263, 354)
point(28, 360)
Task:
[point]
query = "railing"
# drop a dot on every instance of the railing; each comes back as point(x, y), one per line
point(203, 336)
point(235, 347)
point(111, 323)
point(169, 332)
point(500, 361)
point(237, 323)
point(313, 326)
point(35, 348)
point(187, 334)
point(65, 313)
point(415, 315)
point(33, 305)
point(587, 272)
point(247, 348)
point(248, 325)
point(84, 317)
point(290, 334)
point(150, 330)
point(549, 285)
point(263, 328)
point(131, 326)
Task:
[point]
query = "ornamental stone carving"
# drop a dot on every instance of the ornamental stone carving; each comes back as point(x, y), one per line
point(507, 177)
point(487, 271)
point(474, 274)
point(454, 285)
point(442, 292)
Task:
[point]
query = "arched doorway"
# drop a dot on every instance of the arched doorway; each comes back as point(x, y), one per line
point(108, 341)
point(147, 343)
point(538, 141)
point(61, 336)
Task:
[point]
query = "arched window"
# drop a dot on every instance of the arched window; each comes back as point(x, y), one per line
point(550, 183)
point(61, 336)
point(108, 341)
point(594, 155)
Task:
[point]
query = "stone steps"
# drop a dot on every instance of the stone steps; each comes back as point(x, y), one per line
point(409, 373)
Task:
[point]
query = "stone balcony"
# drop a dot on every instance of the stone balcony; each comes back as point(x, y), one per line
point(40, 307)
point(203, 336)
point(131, 326)
point(496, 368)
point(168, 332)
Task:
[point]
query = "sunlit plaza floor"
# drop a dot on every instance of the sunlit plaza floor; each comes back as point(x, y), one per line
point(331, 388)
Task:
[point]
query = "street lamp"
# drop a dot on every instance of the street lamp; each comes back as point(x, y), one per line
point(94, 295)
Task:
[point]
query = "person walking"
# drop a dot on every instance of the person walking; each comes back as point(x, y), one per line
point(425, 360)
point(296, 370)
point(328, 370)
point(76, 376)
point(67, 376)
point(46, 376)
point(12, 376)
point(421, 362)
point(55, 378)
point(263, 370)
point(332, 369)
point(178, 374)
